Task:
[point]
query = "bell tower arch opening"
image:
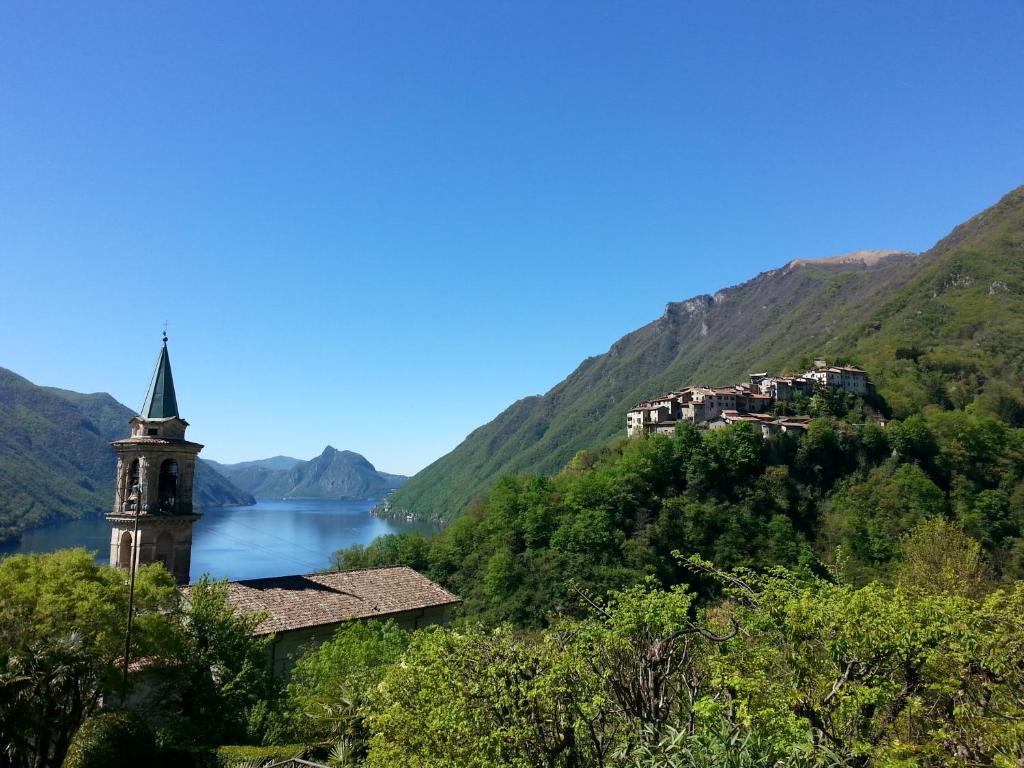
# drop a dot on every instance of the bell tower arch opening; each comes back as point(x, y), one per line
point(130, 493)
point(167, 497)
point(124, 552)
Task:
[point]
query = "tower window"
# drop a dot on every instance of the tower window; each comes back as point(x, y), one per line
point(152, 431)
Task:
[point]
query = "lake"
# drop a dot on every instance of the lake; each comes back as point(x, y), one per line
point(271, 538)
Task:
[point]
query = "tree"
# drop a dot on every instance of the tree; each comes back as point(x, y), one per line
point(913, 440)
point(988, 518)
point(876, 674)
point(327, 694)
point(62, 623)
point(218, 665)
point(868, 517)
point(937, 557)
point(573, 695)
point(473, 698)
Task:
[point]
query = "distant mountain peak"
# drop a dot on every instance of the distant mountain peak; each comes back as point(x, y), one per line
point(333, 474)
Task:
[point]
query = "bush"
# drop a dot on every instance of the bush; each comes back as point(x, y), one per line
point(111, 740)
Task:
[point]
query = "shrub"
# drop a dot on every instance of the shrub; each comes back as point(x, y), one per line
point(111, 740)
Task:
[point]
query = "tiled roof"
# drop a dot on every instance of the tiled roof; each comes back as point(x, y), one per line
point(293, 602)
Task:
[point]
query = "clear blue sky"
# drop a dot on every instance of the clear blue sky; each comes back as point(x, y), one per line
point(376, 225)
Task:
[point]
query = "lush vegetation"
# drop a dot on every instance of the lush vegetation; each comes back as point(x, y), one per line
point(841, 495)
point(863, 609)
point(787, 668)
point(62, 622)
point(944, 329)
point(867, 613)
point(793, 670)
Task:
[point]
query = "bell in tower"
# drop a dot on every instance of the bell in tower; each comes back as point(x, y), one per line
point(152, 517)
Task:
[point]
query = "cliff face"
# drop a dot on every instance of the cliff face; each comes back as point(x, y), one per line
point(333, 474)
point(863, 306)
point(56, 460)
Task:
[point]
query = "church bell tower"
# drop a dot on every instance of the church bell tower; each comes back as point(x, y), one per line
point(152, 517)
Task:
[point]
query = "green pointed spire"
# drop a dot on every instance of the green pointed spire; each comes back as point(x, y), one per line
point(160, 400)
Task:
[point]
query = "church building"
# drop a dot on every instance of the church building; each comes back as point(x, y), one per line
point(152, 523)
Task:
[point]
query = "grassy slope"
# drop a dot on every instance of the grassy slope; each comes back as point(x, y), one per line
point(961, 313)
point(769, 323)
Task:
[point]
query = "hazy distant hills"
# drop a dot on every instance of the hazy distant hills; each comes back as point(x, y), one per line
point(56, 460)
point(333, 474)
point(945, 327)
point(274, 462)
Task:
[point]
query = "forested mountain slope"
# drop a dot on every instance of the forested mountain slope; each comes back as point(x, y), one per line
point(56, 460)
point(942, 327)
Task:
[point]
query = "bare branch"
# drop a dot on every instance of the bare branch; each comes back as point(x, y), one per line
point(589, 600)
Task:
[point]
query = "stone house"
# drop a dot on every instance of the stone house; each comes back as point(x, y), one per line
point(845, 377)
point(784, 388)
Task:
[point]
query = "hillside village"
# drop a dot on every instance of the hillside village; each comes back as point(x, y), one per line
point(753, 401)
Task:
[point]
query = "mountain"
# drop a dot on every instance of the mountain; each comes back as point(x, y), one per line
point(333, 474)
point(56, 460)
point(945, 327)
point(274, 462)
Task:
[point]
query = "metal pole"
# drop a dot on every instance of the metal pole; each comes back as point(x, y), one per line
point(131, 596)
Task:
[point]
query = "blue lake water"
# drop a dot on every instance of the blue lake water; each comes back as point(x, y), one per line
point(271, 538)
